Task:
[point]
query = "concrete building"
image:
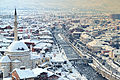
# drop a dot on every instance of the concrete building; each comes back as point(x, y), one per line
point(85, 38)
point(116, 54)
point(95, 46)
point(22, 74)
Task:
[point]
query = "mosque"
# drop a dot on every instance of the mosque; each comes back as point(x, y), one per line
point(16, 55)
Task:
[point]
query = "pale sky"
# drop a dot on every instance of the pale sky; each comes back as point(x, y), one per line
point(108, 5)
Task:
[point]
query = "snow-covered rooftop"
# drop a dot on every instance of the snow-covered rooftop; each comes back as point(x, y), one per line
point(35, 56)
point(45, 31)
point(3, 49)
point(27, 73)
point(86, 36)
point(47, 40)
point(116, 51)
point(46, 37)
point(107, 47)
point(17, 46)
point(38, 71)
point(5, 59)
point(35, 41)
point(58, 58)
point(42, 45)
point(95, 42)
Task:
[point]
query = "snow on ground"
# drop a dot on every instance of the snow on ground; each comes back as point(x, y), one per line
point(7, 78)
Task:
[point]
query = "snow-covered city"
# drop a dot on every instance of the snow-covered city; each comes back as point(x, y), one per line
point(57, 40)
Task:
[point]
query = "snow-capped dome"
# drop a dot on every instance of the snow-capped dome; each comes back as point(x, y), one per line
point(17, 46)
point(5, 59)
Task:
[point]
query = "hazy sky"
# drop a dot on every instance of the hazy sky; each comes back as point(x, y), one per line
point(108, 5)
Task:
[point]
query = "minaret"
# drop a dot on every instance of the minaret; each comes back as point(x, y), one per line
point(15, 27)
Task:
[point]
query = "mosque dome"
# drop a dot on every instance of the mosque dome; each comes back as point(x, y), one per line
point(5, 59)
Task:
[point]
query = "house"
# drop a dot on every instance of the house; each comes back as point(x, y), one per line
point(8, 27)
point(95, 45)
point(76, 34)
point(85, 38)
point(42, 46)
point(116, 54)
point(45, 33)
point(58, 60)
point(53, 77)
point(22, 74)
point(43, 74)
point(106, 50)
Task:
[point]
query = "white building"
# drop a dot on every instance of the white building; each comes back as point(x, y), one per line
point(85, 38)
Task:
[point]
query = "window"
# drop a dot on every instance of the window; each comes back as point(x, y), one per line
point(22, 49)
point(115, 56)
point(18, 49)
point(43, 75)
